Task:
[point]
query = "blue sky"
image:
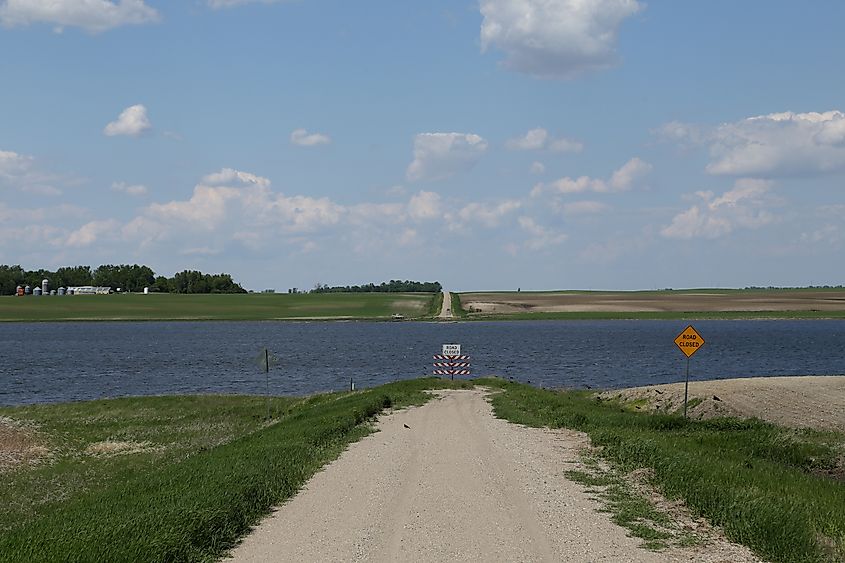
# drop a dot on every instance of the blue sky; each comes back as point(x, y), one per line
point(541, 144)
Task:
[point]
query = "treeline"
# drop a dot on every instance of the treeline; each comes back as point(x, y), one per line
point(124, 276)
point(393, 286)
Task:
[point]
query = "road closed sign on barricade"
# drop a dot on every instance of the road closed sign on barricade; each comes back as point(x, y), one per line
point(451, 362)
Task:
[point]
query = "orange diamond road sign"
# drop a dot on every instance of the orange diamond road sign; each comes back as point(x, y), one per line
point(689, 341)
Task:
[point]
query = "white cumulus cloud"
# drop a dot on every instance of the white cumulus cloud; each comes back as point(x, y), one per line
point(425, 205)
point(441, 155)
point(303, 138)
point(537, 168)
point(92, 15)
point(743, 207)
point(773, 145)
point(554, 38)
point(486, 214)
point(621, 180)
point(132, 121)
point(91, 232)
point(539, 139)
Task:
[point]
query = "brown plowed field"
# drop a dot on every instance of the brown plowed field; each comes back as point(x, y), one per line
point(832, 300)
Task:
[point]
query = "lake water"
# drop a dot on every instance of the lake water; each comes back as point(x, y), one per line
point(49, 362)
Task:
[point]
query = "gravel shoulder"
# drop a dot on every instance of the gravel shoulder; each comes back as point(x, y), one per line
point(448, 482)
point(797, 402)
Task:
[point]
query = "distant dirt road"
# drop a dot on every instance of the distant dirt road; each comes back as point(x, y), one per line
point(446, 308)
point(457, 485)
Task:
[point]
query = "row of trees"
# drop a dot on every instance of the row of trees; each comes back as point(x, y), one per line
point(124, 276)
point(393, 286)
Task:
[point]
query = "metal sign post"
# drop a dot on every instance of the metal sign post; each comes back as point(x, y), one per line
point(689, 341)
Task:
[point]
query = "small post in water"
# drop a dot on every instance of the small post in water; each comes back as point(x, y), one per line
point(267, 378)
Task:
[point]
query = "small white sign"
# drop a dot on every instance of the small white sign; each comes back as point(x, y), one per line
point(451, 349)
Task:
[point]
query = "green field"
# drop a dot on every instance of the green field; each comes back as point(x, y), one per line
point(237, 307)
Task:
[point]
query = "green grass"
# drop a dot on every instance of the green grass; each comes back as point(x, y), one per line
point(764, 485)
point(212, 467)
point(457, 307)
point(436, 305)
point(138, 307)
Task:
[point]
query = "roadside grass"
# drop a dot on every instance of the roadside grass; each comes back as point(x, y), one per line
point(764, 485)
point(208, 468)
point(237, 307)
point(457, 307)
point(627, 507)
point(436, 305)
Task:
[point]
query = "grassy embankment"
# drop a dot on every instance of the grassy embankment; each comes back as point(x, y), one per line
point(239, 307)
point(779, 491)
point(180, 478)
point(171, 478)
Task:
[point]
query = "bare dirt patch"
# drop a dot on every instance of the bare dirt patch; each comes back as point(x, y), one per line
point(798, 402)
point(660, 301)
point(20, 445)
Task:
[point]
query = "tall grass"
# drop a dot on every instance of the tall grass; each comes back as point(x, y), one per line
point(761, 483)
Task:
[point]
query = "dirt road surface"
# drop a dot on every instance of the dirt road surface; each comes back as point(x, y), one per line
point(449, 482)
point(446, 308)
point(798, 402)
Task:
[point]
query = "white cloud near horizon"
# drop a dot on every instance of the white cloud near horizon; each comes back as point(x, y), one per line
point(785, 144)
point(622, 179)
point(539, 139)
point(132, 122)
point(94, 16)
point(303, 138)
point(554, 38)
point(438, 156)
point(742, 207)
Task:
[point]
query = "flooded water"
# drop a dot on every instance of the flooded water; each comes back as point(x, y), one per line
point(50, 362)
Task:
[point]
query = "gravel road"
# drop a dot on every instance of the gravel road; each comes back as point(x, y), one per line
point(449, 482)
point(446, 308)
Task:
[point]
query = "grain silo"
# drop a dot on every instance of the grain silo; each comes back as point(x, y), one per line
point(37, 291)
point(45, 284)
point(27, 290)
point(19, 291)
